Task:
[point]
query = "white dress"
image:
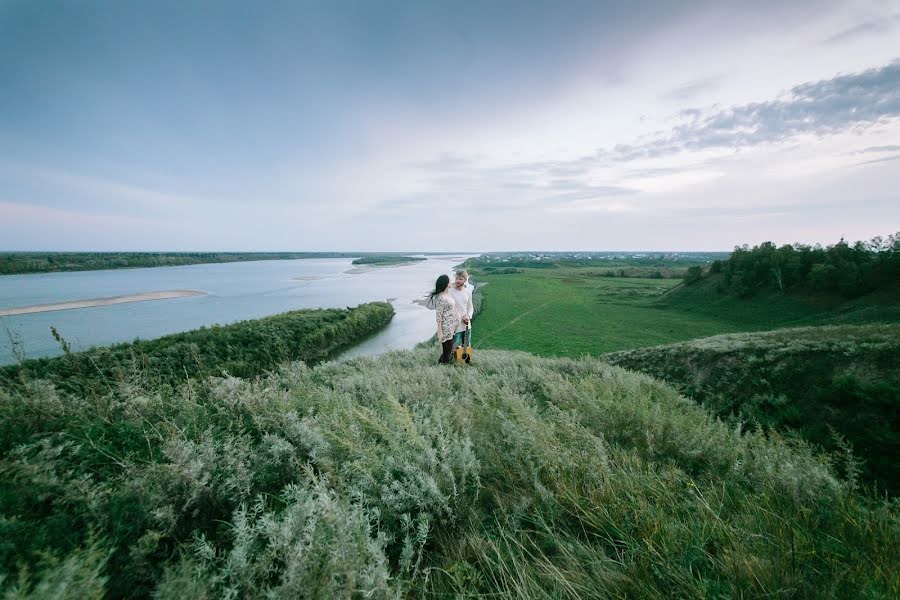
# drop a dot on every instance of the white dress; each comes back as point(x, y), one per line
point(447, 317)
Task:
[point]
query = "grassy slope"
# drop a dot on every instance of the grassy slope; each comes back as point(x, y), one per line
point(566, 312)
point(770, 309)
point(811, 380)
point(516, 477)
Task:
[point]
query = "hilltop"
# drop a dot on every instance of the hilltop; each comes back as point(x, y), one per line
point(517, 477)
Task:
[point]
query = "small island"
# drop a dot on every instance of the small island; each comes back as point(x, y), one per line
point(389, 259)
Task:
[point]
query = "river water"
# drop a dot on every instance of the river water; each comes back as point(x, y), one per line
point(234, 292)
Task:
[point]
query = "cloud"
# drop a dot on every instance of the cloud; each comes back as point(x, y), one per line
point(693, 150)
point(877, 160)
point(846, 102)
point(875, 26)
point(692, 88)
point(872, 149)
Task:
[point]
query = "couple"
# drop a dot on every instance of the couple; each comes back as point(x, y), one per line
point(453, 305)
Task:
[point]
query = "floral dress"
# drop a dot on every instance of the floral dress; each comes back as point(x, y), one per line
point(447, 317)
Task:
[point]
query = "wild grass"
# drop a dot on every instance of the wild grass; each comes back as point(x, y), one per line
point(395, 477)
point(833, 385)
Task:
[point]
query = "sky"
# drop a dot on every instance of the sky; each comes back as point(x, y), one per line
point(431, 125)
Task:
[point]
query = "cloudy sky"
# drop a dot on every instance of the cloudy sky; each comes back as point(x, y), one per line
point(447, 125)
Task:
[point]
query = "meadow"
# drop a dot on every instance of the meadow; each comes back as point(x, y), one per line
point(573, 311)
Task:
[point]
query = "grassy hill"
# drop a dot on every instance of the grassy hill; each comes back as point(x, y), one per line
point(395, 477)
point(769, 308)
point(813, 380)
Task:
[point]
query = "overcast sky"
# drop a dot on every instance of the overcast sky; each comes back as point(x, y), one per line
point(447, 125)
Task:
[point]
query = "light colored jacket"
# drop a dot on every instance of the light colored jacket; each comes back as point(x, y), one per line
point(463, 299)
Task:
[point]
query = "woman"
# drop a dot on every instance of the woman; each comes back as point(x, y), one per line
point(447, 317)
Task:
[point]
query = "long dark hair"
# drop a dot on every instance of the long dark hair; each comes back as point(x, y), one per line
point(439, 286)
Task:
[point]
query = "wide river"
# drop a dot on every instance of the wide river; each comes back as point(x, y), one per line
point(231, 292)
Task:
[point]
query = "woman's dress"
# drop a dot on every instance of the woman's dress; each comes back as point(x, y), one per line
point(447, 317)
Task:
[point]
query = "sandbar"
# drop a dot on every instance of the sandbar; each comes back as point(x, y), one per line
point(87, 303)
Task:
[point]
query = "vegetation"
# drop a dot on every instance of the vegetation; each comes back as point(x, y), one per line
point(517, 477)
point(850, 271)
point(850, 386)
point(243, 349)
point(44, 262)
point(574, 311)
point(387, 259)
point(828, 384)
point(599, 260)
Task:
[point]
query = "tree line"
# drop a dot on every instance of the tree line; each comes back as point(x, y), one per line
point(849, 270)
point(17, 263)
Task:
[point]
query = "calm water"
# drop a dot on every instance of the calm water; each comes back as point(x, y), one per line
point(236, 291)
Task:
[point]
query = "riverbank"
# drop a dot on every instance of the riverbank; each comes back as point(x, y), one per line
point(91, 302)
point(243, 349)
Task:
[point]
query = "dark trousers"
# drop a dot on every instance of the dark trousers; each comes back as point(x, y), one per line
point(447, 350)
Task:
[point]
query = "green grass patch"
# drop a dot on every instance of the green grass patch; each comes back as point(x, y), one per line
point(576, 311)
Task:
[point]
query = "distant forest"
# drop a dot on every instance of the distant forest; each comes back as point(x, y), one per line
point(12, 263)
point(495, 261)
point(848, 270)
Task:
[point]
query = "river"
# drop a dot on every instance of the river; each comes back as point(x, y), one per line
point(230, 292)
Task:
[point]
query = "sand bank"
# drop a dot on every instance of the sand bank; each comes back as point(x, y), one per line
point(36, 308)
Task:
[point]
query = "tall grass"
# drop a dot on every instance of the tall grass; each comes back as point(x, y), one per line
point(834, 386)
point(395, 477)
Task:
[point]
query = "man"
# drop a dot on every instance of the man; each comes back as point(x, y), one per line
point(462, 295)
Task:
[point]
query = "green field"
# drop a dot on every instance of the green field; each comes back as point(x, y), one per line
point(576, 311)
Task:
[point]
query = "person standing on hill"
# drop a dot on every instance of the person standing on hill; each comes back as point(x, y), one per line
point(462, 295)
point(447, 316)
